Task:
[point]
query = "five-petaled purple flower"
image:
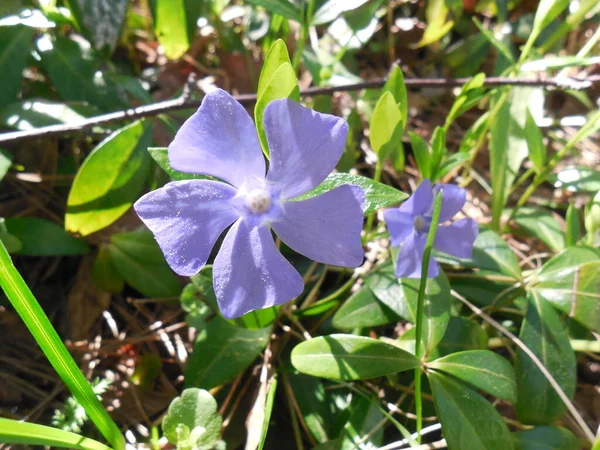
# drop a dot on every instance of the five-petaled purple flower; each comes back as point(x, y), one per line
point(409, 224)
point(187, 217)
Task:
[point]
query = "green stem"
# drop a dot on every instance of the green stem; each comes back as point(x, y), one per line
point(47, 338)
point(301, 43)
point(420, 300)
point(377, 178)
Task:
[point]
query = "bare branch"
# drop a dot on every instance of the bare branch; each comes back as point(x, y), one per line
point(183, 102)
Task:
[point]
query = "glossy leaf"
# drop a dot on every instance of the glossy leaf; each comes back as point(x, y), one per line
point(386, 127)
point(363, 310)
point(16, 41)
point(276, 57)
point(139, 260)
point(195, 410)
point(400, 295)
point(349, 357)
point(282, 7)
point(100, 21)
point(396, 86)
point(377, 195)
point(483, 369)
point(16, 432)
point(547, 437)
point(469, 421)
point(222, 351)
point(109, 181)
point(570, 282)
point(41, 237)
point(161, 157)
point(546, 337)
point(535, 144)
point(170, 25)
point(540, 223)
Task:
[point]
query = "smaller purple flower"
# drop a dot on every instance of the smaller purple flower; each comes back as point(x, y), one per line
point(409, 224)
point(187, 217)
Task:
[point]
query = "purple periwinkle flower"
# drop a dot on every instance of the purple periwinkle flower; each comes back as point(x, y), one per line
point(187, 217)
point(409, 224)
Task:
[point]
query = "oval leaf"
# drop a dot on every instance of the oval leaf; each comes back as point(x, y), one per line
point(348, 357)
point(41, 237)
point(386, 125)
point(363, 310)
point(546, 438)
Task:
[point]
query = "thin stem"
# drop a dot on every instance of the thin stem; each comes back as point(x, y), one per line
point(51, 344)
point(301, 43)
point(377, 178)
point(420, 300)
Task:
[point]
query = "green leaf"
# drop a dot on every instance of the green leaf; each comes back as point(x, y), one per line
point(540, 223)
point(577, 179)
point(483, 369)
point(498, 44)
point(559, 62)
point(139, 260)
point(276, 57)
point(546, 337)
point(386, 127)
point(546, 438)
point(161, 156)
point(16, 432)
point(363, 310)
point(282, 84)
point(422, 156)
point(105, 273)
point(547, 11)
point(395, 84)
point(573, 225)
point(452, 162)
point(349, 357)
point(223, 351)
point(28, 114)
point(282, 7)
point(569, 281)
point(400, 295)
point(109, 181)
point(438, 151)
point(170, 26)
point(438, 26)
point(266, 409)
point(470, 94)
point(377, 195)
point(365, 416)
point(16, 41)
point(469, 421)
point(11, 243)
point(462, 334)
point(332, 9)
point(100, 21)
point(44, 238)
point(193, 421)
point(535, 144)
point(5, 162)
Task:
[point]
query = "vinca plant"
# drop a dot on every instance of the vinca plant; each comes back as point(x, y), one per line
point(221, 231)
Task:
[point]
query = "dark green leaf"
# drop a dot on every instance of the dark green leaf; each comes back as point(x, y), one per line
point(105, 273)
point(540, 223)
point(161, 156)
point(469, 421)
point(365, 416)
point(483, 369)
point(349, 357)
point(462, 334)
point(188, 415)
point(109, 181)
point(16, 41)
point(546, 438)
point(570, 282)
point(377, 195)
point(363, 310)
point(314, 405)
point(535, 144)
point(454, 161)
point(281, 7)
point(41, 237)
point(140, 262)
point(546, 337)
point(577, 179)
point(222, 352)
point(100, 21)
point(170, 25)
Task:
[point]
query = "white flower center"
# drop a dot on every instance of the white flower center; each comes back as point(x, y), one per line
point(258, 201)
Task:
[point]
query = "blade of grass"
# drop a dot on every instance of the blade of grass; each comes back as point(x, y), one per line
point(47, 338)
point(15, 432)
point(437, 207)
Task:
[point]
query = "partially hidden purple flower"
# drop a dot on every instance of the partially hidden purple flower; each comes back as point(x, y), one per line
point(187, 217)
point(409, 224)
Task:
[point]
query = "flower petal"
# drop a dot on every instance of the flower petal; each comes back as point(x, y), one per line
point(325, 228)
point(187, 218)
point(453, 201)
point(305, 145)
point(399, 225)
point(410, 258)
point(250, 273)
point(219, 140)
point(420, 202)
point(457, 238)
